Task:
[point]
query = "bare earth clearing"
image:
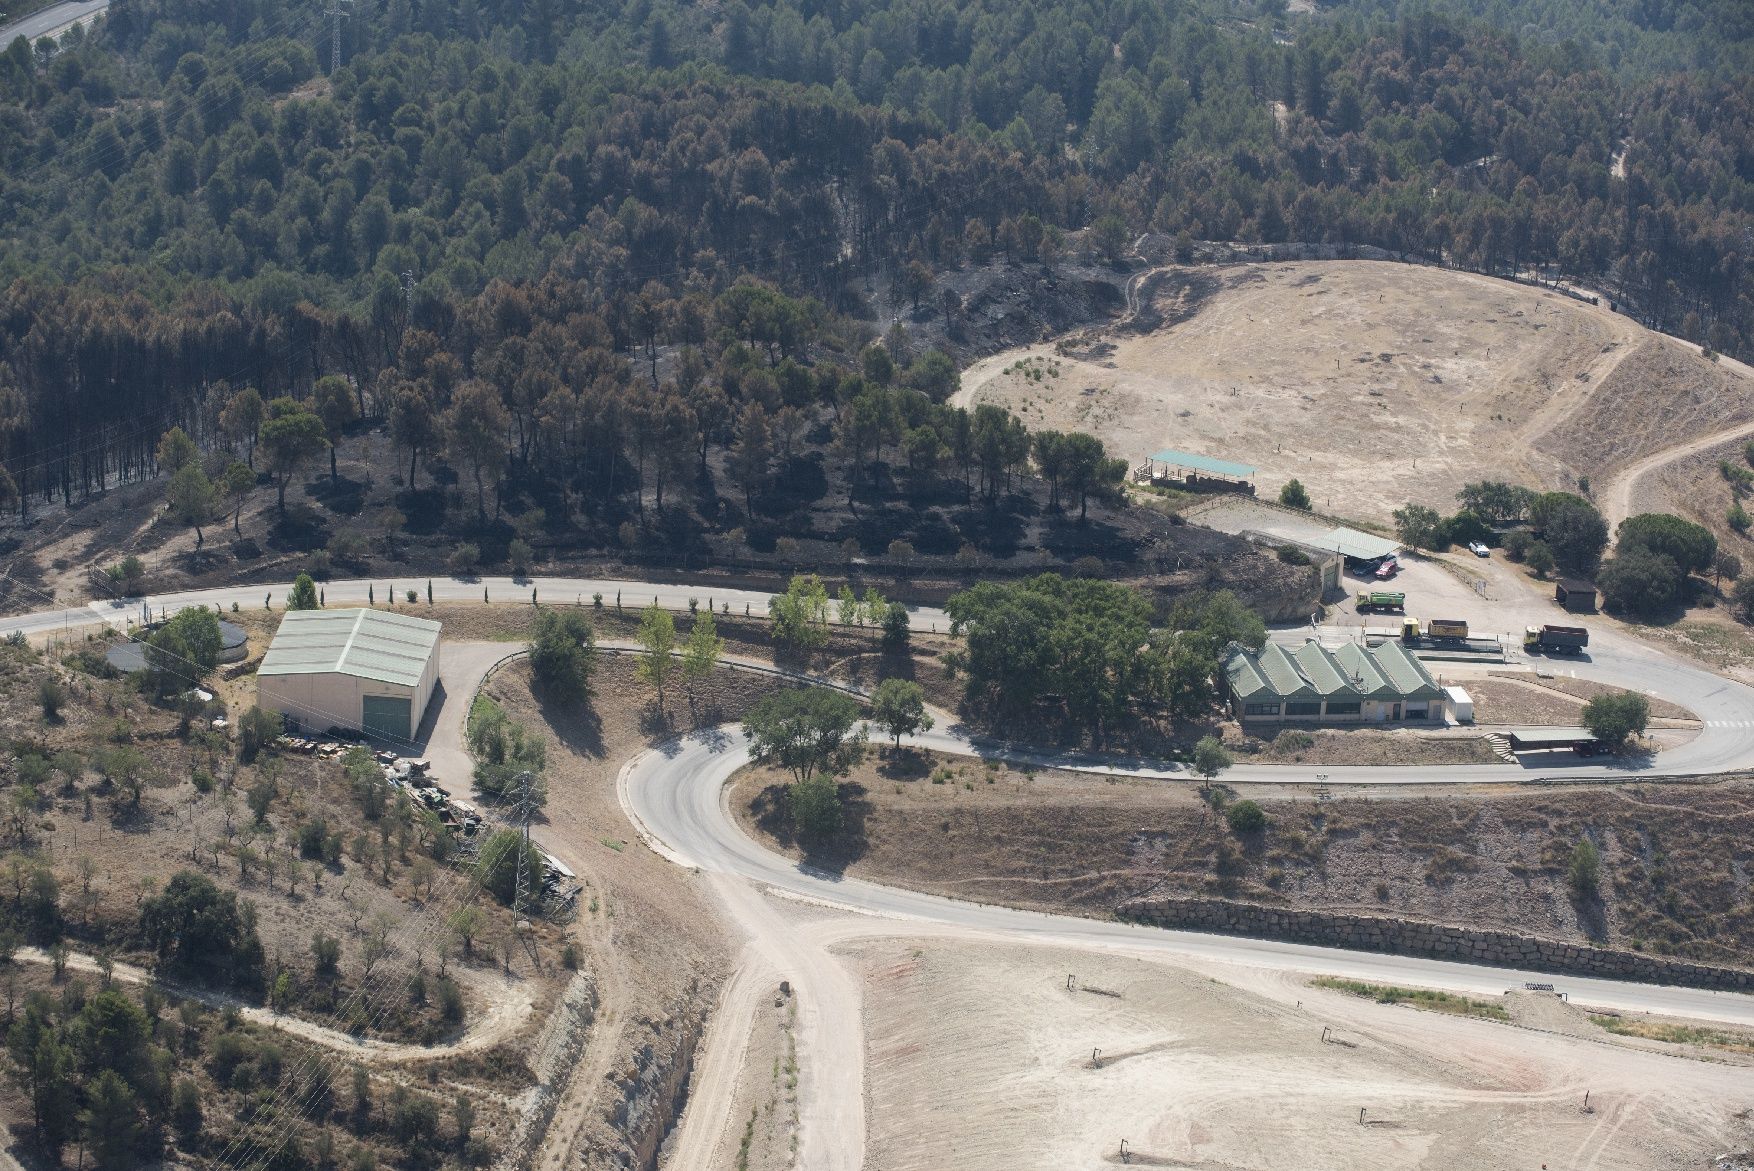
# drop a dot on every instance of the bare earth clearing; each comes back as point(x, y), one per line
point(980, 1057)
point(1378, 383)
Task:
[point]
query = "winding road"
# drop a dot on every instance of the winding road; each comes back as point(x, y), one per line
point(675, 795)
point(1724, 707)
point(51, 21)
point(1620, 493)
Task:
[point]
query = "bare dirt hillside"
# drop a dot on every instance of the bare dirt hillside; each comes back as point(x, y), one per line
point(1374, 383)
point(1694, 485)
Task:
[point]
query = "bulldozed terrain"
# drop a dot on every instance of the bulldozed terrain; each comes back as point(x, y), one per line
point(1011, 1057)
point(1376, 383)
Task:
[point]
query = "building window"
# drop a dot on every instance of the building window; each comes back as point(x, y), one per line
point(1418, 713)
point(1303, 708)
point(1260, 709)
point(1349, 707)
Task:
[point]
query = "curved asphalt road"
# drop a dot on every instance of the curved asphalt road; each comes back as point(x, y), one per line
point(52, 19)
point(1726, 708)
point(675, 795)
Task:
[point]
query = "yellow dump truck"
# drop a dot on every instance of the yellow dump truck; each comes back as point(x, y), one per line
point(1444, 629)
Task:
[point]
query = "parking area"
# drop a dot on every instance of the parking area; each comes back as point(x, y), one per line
point(1485, 592)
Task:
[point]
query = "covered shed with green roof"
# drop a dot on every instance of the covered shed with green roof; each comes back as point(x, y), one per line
point(1345, 684)
point(363, 670)
point(1196, 473)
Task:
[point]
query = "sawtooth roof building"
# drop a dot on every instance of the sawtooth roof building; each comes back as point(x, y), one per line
point(1318, 684)
point(366, 670)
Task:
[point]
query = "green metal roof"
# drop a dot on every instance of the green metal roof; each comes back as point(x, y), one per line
point(1368, 678)
point(1323, 673)
point(1405, 671)
point(1361, 670)
point(1312, 671)
point(1270, 670)
point(364, 643)
point(1357, 545)
point(1202, 463)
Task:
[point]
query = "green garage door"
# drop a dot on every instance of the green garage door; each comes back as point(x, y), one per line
point(387, 715)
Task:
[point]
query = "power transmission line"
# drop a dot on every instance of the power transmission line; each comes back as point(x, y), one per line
point(336, 11)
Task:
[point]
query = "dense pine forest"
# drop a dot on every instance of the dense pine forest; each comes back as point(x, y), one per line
point(586, 244)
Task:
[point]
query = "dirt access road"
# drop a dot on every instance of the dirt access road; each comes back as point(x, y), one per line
point(1629, 491)
point(1377, 383)
point(510, 1007)
point(675, 795)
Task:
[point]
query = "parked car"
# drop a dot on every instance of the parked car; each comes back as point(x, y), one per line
point(1478, 550)
point(1388, 569)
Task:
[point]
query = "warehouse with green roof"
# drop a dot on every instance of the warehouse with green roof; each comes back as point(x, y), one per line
point(1346, 684)
point(370, 671)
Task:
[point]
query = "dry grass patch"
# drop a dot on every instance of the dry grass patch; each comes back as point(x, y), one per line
point(1310, 369)
point(1426, 998)
point(1361, 746)
point(1729, 1040)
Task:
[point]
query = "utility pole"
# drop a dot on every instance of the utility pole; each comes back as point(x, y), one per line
point(336, 11)
point(524, 809)
point(525, 892)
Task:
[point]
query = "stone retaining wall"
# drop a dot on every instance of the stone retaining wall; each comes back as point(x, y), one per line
point(1434, 940)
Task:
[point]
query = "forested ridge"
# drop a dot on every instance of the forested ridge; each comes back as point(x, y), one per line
point(543, 211)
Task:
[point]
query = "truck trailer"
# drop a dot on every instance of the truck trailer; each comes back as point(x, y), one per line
point(1373, 600)
point(1437, 630)
point(1561, 640)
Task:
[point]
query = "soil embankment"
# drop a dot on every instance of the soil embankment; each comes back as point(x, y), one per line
point(1673, 874)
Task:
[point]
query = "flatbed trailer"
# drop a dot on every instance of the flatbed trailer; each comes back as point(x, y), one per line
point(1582, 744)
point(1461, 650)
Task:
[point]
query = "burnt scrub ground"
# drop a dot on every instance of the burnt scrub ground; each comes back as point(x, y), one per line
point(922, 533)
point(116, 794)
point(113, 796)
point(1675, 859)
point(261, 1092)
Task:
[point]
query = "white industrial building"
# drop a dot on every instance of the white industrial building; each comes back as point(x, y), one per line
point(369, 670)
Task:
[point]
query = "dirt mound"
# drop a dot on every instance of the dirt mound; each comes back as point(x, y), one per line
point(1374, 383)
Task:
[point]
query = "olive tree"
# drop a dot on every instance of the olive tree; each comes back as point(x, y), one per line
point(899, 708)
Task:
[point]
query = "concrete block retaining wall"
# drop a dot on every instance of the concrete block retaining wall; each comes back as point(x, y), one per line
point(1433, 940)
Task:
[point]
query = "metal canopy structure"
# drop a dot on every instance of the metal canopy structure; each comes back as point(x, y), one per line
point(1203, 463)
point(1358, 546)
